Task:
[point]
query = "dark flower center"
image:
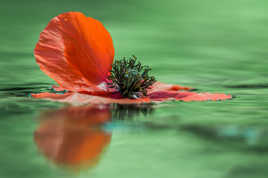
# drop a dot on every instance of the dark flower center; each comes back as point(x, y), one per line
point(131, 78)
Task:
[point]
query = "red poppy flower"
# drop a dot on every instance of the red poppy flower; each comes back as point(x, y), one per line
point(77, 52)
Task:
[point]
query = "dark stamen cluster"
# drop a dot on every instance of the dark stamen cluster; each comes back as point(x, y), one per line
point(131, 78)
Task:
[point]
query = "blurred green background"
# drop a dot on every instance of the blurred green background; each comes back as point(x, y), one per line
point(215, 46)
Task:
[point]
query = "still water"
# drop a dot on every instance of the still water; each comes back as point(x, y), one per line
point(215, 46)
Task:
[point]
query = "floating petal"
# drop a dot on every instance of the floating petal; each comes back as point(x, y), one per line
point(158, 93)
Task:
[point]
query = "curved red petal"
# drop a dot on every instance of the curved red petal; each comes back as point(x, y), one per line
point(76, 51)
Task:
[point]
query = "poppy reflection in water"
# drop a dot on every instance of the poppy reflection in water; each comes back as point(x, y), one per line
point(75, 137)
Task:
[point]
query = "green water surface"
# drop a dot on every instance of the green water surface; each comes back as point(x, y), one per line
point(215, 46)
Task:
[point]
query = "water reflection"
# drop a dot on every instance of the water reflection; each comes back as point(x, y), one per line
point(73, 136)
point(250, 138)
point(23, 90)
point(76, 137)
point(248, 86)
point(130, 111)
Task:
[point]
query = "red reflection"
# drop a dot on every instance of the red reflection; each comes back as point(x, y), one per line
point(73, 136)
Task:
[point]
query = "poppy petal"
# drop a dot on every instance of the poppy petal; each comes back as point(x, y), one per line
point(82, 99)
point(159, 96)
point(76, 51)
